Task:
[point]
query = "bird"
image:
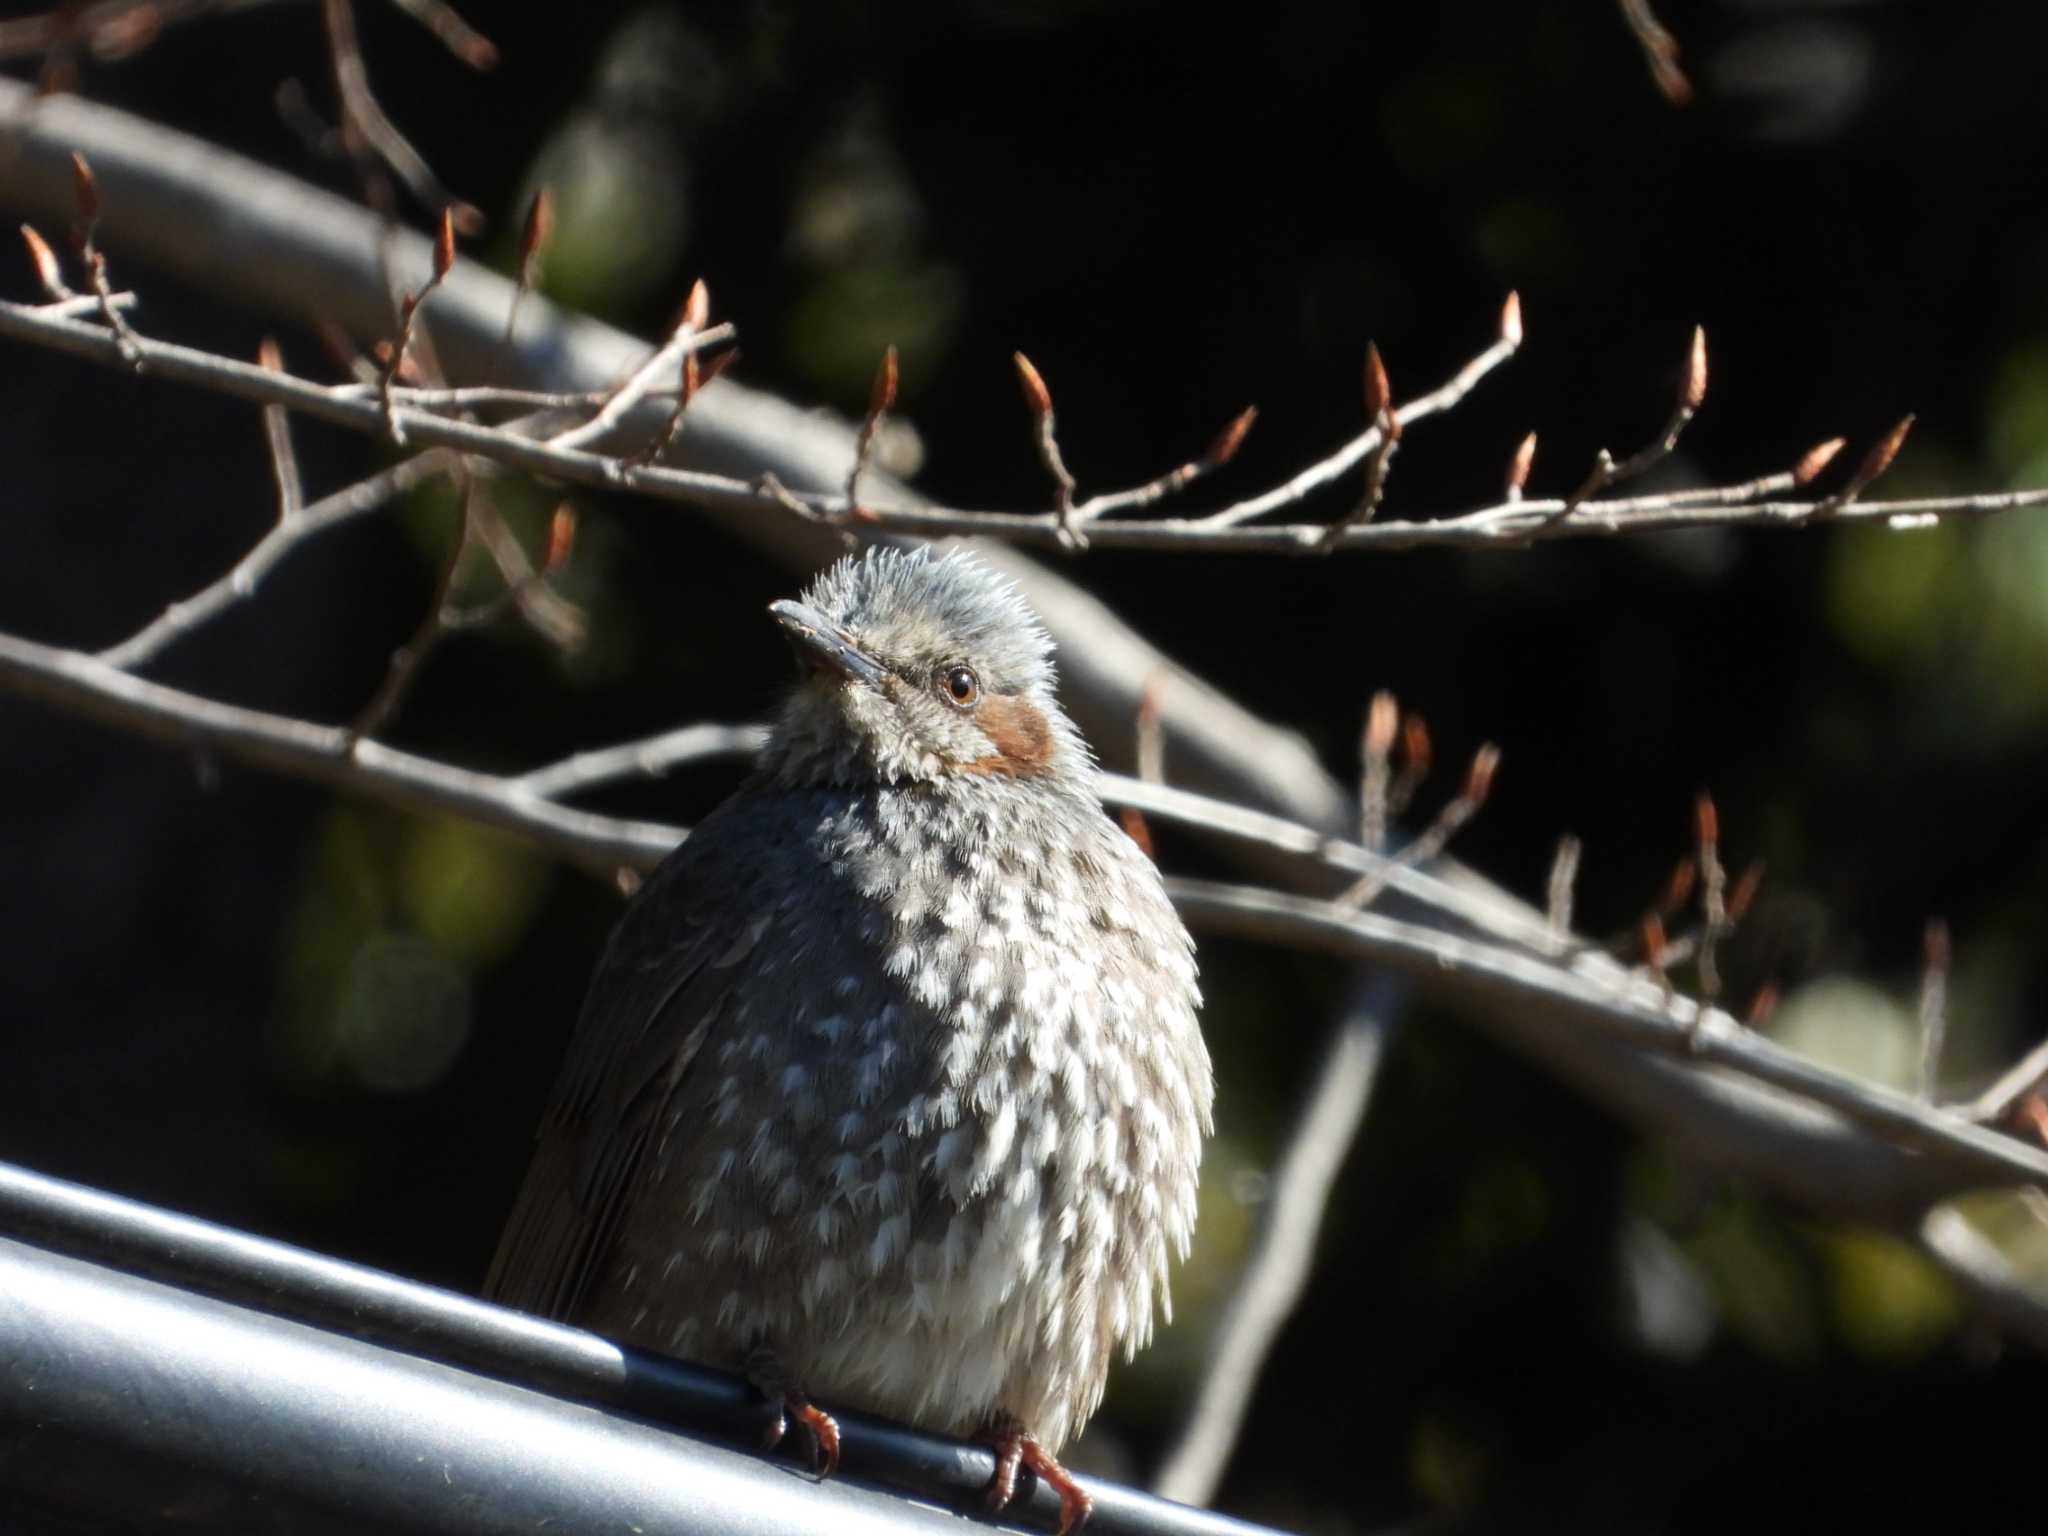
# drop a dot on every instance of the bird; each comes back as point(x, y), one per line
point(889, 1088)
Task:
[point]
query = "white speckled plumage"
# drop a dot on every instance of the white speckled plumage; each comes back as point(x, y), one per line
point(894, 1066)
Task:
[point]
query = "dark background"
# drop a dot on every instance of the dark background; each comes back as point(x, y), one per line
point(322, 1021)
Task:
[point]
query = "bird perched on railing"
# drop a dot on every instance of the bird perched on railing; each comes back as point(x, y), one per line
point(888, 1088)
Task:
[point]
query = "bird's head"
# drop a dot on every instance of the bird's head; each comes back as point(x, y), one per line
point(919, 668)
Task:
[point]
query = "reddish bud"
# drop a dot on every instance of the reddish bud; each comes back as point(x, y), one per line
point(718, 364)
point(1152, 699)
point(2031, 1114)
point(1936, 946)
point(268, 356)
point(1694, 391)
point(1879, 459)
point(1511, 319)
point(123, 36)
point(1137, 831)
point(1706, 821)
point(697, 307)
point(882, 393)
point(1415, 750)
point(1378, 393)
point(1231, 438)
point(1654, 943)
point(539, 229)
point(1762, 1006)
point(444, 244)
point(1678, 888)
point(1520, 465)
point(1036, 395)
point(561, 539)
point(1382, 720)
point(1817, 459)
point(48, 272)
point(1743, 896)
point(87, 188)
point(1479, 777)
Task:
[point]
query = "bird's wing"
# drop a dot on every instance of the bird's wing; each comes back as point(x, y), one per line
point(662, 986)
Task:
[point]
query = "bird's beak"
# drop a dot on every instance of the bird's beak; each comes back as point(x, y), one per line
point(819, 643)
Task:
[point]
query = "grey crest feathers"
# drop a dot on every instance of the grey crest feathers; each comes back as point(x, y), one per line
point(919, 605)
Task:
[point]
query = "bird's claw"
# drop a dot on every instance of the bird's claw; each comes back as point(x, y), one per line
point(1015, 1449)
point(821, 1427)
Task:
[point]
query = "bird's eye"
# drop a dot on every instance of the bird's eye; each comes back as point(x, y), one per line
point(959, 686)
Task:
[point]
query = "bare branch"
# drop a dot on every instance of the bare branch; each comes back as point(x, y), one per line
point(1660, 49)
point(1564, 872)
point(1933, 1005)
point(1692, 393)
point(1511, 524)
point(241, 582)
point(90, 686)
point(648, 758)
point(2016, 1084)
point(1631, 1007)
point(1283, 1255)
point(1439, 400)
point(368, 131)
point(1437, 836)
point(881, 400)
point(1221, 450)
point(453, 33)
point(1875, 463)
point(277, 438)
point(681, 343)
point(1038, 399)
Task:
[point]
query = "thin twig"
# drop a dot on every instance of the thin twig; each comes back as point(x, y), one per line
point(431, 630)
point(408, 316)
point(1875, 463)
point(88, 192)
point(1437, 401)
point(453, 33)
point(1692, 393)
point(1507, 525)
point(181, 618)
point(1221, 450)
point(1375, 751)
point(277, 439)
point(1713, 893)
point(648, 758)
point(368, 130)
point(1038, 399)
point(881, 400)
point(1660, 49)
point(2018, 1082)
point(1564, 874)
point(1379, 411)
point(681, 342)
point(1283, 1255)
point(1933, 1005)
point(1437, 836)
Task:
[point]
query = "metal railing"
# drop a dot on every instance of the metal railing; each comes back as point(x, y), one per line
point(155, 1366)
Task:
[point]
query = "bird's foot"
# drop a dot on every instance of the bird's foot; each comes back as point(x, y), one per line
point(1015, 1449)
point(789, 1403)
